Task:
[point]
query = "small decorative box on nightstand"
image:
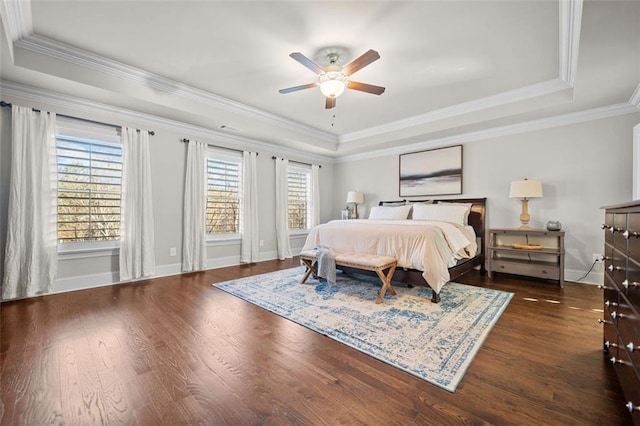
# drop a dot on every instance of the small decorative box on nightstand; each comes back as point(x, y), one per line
point(533, 252)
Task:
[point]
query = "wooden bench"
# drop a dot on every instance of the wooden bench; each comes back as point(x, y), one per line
point(367, 262)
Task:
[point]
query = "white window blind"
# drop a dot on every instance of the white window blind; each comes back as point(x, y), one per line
point(299, 200)
point(224, 174)
point(89, 189)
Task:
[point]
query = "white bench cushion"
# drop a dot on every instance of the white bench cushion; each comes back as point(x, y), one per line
point(366, 261)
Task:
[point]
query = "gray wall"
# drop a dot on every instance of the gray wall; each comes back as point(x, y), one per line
point(168, 161)
point(582, 168)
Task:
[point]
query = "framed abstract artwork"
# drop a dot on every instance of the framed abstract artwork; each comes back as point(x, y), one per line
point(432, 172)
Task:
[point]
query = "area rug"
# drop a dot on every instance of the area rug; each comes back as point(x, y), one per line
point(435, 342)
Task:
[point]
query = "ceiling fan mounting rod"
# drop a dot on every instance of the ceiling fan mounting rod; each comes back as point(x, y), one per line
point(333, 58)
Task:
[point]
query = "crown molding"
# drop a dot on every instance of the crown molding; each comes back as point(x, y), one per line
point(61, 51)
point(512, 129)
point(16, 19)
point(493, 101)
point(570, 25)
point(98, 111)
point(635, 97)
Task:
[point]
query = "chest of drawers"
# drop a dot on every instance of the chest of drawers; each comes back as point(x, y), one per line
point(621, 321)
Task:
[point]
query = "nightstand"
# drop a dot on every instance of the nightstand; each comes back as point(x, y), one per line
point(546, 262)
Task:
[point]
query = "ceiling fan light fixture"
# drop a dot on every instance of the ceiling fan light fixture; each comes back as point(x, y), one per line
point(332, 83)
point(332, 78)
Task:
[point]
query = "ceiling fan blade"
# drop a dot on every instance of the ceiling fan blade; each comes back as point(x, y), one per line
point(330, 103)
point(361, 62)
point(307, 62)
point(364, 87)
point(296, 88)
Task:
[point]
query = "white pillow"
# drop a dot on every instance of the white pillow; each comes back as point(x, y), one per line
point(418, 202)
point(389, 213)
point(467, 205)
point(442, 212)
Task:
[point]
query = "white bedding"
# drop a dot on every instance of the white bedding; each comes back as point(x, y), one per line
point(428, 246)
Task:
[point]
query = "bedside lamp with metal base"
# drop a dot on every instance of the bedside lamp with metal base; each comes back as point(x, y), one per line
point(525, 189)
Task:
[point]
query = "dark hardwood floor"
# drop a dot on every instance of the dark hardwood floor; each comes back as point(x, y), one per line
point(175, 350)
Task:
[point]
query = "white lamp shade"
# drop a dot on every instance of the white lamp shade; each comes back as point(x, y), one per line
point(332, 83)
point(525, 189)
point(355, 197)
point(332, 88)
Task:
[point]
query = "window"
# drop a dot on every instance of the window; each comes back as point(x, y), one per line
point(89, 189)
point(299, 201)
point(224, 177)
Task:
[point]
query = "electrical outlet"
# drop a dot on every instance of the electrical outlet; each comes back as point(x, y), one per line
point(597, 257)
point(172, 251)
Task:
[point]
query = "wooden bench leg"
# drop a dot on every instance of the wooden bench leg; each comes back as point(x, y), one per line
point(386, 283)
point(311, 268)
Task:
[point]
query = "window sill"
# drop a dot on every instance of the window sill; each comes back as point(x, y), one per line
point(299, 233)
point(87, 252)
point(217, 242)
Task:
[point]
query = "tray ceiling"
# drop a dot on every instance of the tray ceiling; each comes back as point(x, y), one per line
point(447, 66)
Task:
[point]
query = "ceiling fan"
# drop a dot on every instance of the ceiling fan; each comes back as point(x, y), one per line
point(333, 78)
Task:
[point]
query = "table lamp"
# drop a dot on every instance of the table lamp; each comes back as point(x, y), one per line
point(355, 198)
point(525, 189)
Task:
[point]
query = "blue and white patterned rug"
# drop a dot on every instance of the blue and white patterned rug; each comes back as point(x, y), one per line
point(435, 342)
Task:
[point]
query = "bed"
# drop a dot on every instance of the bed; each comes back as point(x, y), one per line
point(417, 243)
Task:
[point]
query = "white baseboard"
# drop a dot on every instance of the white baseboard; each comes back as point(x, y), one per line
point(594, 277)
point(84, 282)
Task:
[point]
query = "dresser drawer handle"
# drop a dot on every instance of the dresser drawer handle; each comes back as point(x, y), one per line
point(628, 284)
point(615, 315)
point(604, 226)
point(616, 268)
point(632, 407)
point(604, 287)
point(628, 234)
point(601, 321)
point(608, 303)
point(608, 345)
point(615, 361)
point(632, 348)
point(501, 266)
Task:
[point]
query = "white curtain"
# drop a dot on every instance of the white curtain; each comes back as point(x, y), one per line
point(315, 195)
point(249, 247)
point(282, 214)
point(31, 255)
point(194, 233)
point(137, 250)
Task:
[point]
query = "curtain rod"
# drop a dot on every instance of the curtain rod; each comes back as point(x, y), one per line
point(185, 140)
point(6, 104)
point(299, 162)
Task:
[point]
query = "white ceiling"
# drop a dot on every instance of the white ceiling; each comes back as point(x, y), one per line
point(448, 67)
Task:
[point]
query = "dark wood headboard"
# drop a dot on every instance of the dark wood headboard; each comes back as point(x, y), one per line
point(477, 217)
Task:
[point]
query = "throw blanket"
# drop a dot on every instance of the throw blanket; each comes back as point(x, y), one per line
point(428, 246)
point(326, 263)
